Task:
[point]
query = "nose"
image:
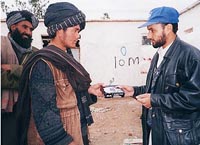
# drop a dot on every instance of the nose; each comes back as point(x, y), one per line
point(148, 35)
point(28, 31)
point(79, 37)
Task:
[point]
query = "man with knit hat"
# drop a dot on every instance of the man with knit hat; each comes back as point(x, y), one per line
point(15, 49)
point(55, 91)
point(171, 96)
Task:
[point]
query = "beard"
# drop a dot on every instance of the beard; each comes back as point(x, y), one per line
point(19, 39)
point(160, 42)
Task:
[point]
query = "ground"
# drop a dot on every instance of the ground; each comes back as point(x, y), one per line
point(115, 119)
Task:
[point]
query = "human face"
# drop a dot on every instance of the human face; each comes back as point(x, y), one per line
point(22, 33)
point(157, 35)
point(70, 37)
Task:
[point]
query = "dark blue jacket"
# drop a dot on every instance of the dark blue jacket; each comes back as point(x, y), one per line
point(176, 97)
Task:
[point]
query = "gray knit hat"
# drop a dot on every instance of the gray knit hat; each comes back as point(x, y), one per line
point(62, 15)
point(15, 17)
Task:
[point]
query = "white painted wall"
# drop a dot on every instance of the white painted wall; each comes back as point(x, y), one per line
point(190, 19)
point(107, 47)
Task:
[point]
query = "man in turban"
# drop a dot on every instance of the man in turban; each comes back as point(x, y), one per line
point(15, 49)
point(55, 91)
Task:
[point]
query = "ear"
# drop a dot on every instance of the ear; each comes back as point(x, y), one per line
point(169, 27)
point(59, 33)
point(13, 27)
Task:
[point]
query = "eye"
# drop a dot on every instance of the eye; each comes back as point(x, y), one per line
point(24, 26)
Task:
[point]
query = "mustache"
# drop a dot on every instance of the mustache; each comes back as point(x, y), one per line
point(29, 36)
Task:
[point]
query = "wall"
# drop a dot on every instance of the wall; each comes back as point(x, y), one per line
point(111, 51)
point(189, 26)
point(113, 54)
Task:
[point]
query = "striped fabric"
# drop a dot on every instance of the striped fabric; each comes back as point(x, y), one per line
point(18, 16)
point(69, 22)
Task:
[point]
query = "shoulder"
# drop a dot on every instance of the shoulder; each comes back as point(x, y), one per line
point(41, 71)
point(189, 50)
point(5, 40)
point(40, 64)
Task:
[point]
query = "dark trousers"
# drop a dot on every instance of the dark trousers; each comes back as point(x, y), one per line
point(85, 140)
point(8, 129)
point(84, 131)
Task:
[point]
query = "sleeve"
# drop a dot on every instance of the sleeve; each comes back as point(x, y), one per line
point(10, 79)
point(139, 90)
point(45, 112)
point(187, 98)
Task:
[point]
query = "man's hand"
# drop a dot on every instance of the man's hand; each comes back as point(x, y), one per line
point(5, 67)
point(96, 89)
point(144, 99)
point(128, 90)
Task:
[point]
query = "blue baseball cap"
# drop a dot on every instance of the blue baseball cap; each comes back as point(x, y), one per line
point(162, 15)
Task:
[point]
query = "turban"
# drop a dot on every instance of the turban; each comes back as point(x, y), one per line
point(15, 17)
point(62, 15)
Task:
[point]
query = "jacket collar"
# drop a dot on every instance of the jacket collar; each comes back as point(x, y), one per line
point(171, 51)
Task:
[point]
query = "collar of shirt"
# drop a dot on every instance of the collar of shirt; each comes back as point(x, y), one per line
point(161, 51)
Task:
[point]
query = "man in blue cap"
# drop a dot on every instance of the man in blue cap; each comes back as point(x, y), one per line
point(171, 96)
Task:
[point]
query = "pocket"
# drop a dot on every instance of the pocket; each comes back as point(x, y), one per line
point(181, 132)
point(171, 83)
point(62, 85)
point(66, 97)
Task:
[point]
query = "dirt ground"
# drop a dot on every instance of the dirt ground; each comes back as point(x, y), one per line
point(115, 119)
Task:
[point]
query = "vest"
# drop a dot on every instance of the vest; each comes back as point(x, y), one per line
point(69, 112)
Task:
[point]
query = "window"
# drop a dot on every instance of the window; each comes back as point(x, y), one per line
point(189, 30)
point(45, 40)
point(145, 41)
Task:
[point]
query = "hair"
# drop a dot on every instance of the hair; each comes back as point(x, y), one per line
point(174, 25)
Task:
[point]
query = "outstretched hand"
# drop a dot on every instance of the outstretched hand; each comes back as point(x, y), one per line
point(96, 89)
point(128, 90)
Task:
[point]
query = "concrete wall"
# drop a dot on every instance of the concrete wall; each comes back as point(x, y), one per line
point(112, 51)
point(189, 26)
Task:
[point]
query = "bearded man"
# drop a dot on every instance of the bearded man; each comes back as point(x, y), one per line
point(15, 49)
point(170, 98)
